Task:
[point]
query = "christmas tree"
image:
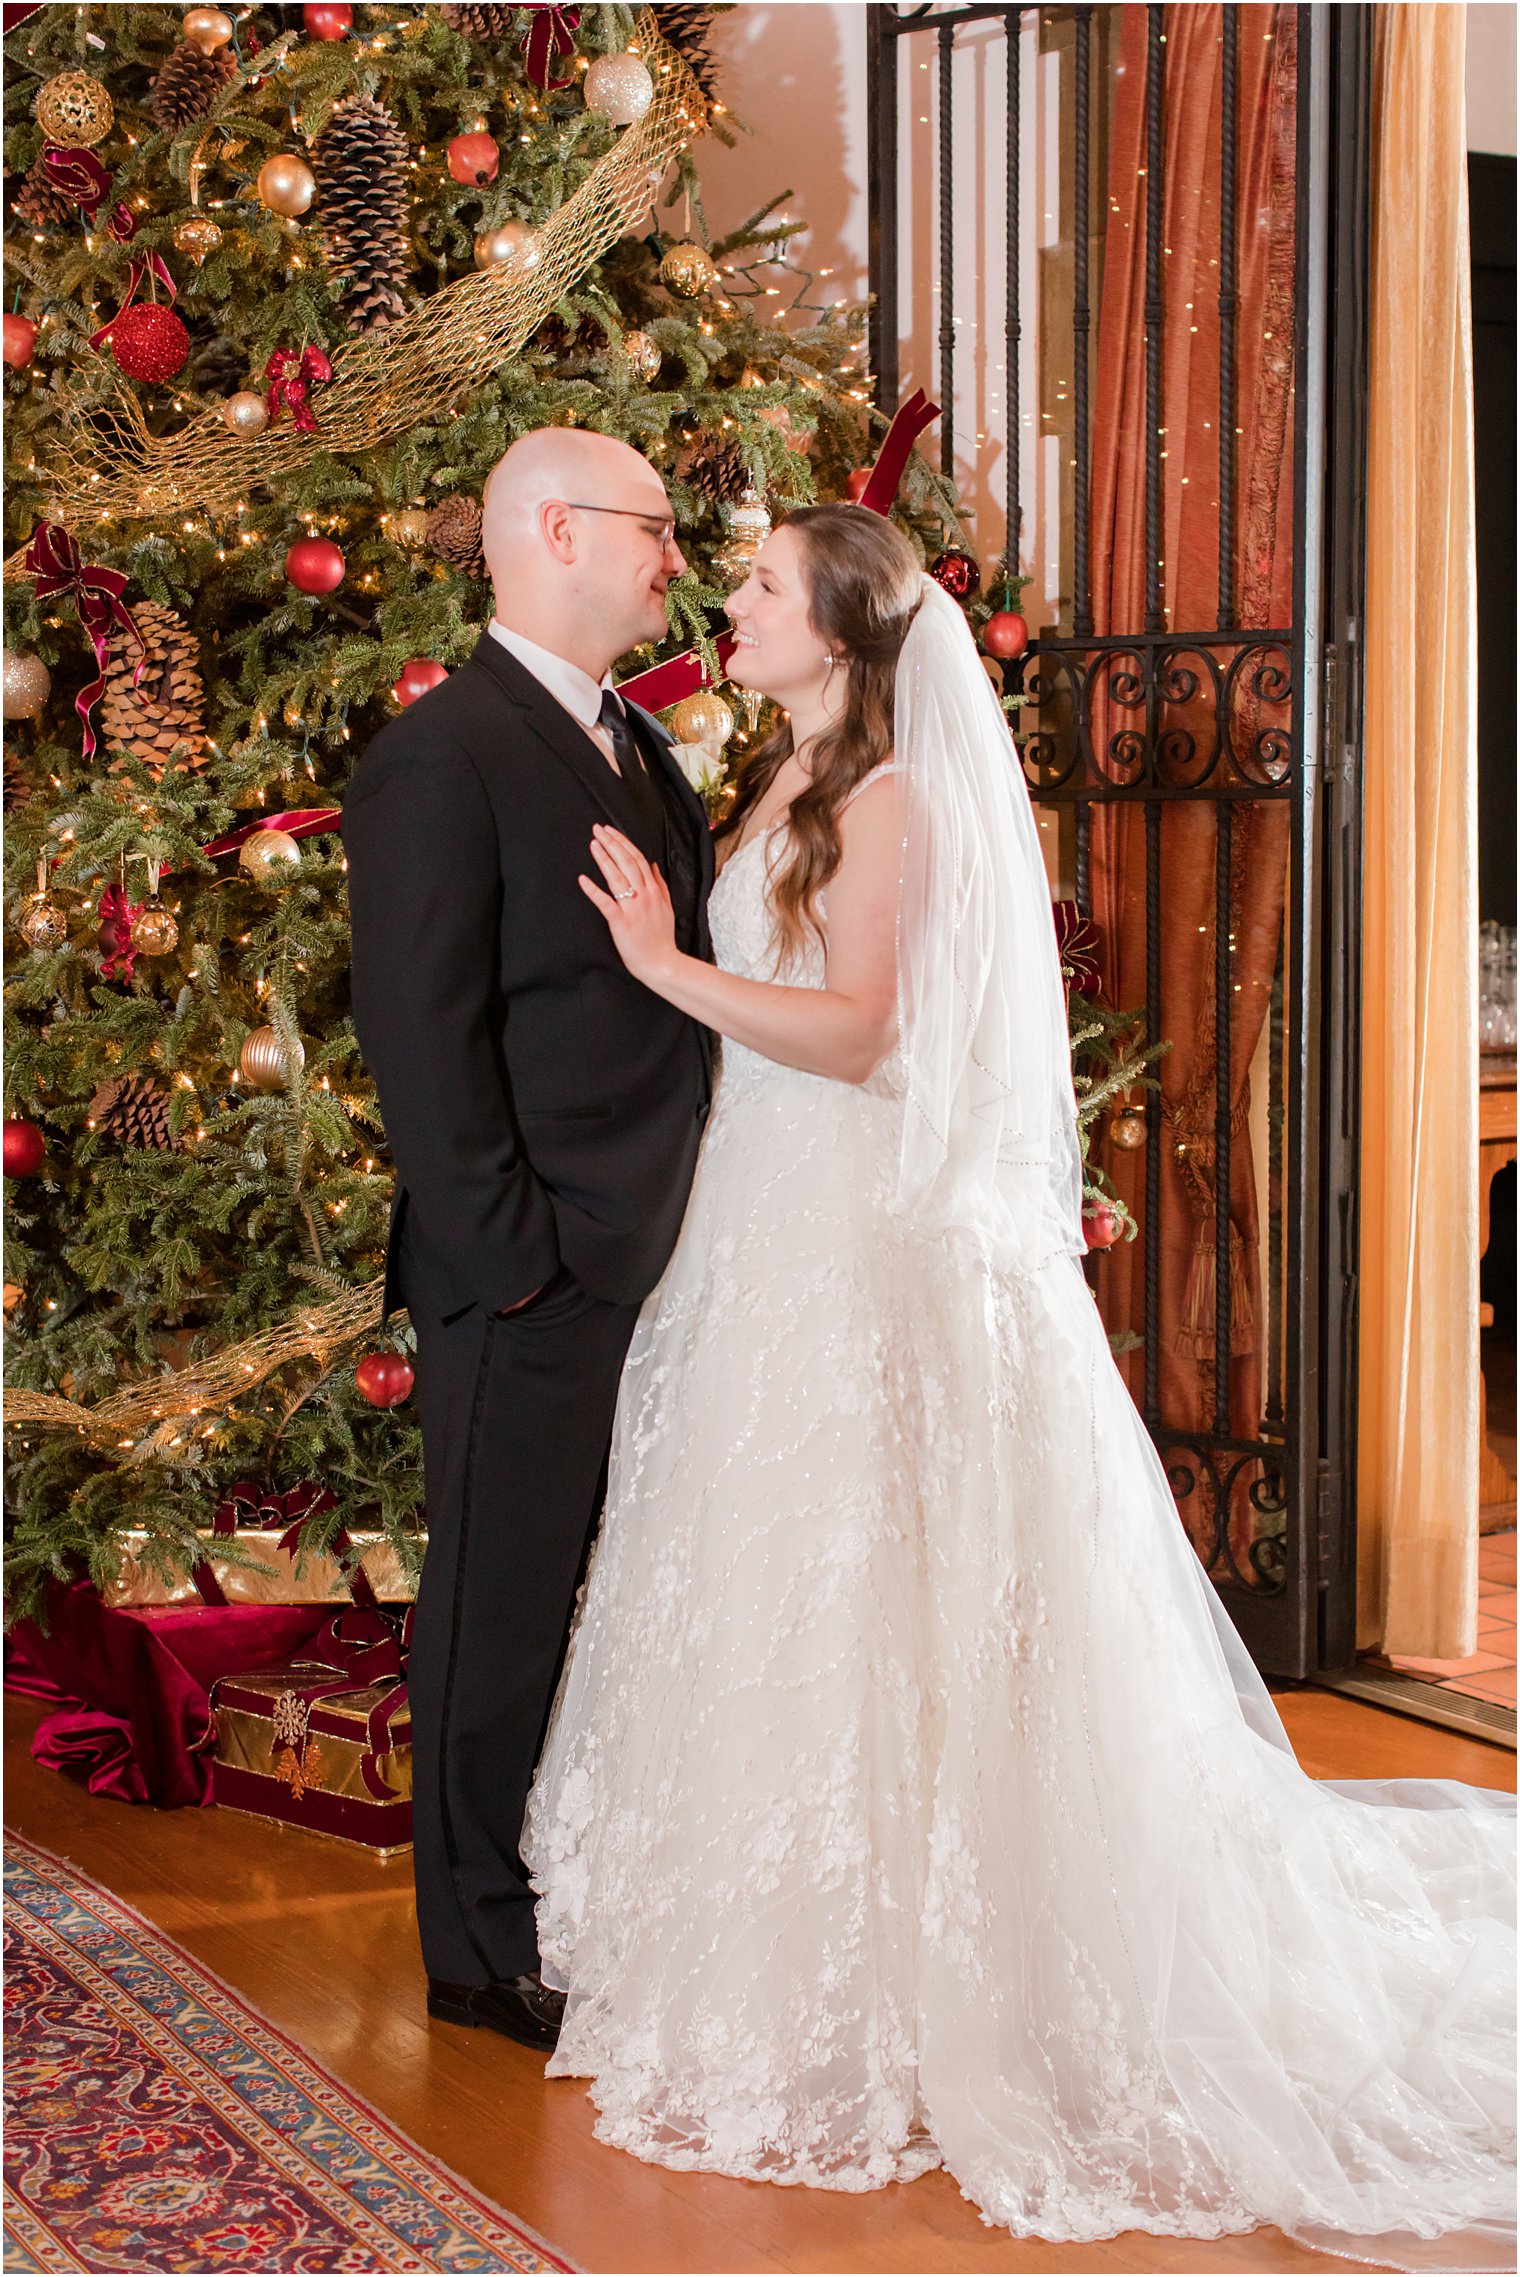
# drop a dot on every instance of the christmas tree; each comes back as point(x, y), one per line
point(286, 282)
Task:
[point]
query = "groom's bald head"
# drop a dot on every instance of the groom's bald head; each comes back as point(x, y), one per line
point(579, 582)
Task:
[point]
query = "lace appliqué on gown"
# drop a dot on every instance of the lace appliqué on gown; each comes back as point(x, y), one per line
point(899, 1808)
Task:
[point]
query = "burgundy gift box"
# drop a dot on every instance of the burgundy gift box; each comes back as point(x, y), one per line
point(323, 1741)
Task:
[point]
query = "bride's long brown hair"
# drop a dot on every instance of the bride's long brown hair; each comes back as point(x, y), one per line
point(863, 585)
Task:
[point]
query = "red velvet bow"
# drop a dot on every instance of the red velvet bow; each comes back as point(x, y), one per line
point(55, 565)
point(290, 378)
point(549, 36)
point(362, 1647)
point(117, 912)
point(248, 1504)
point(1080, 947)
point(76, 174)
point(142, 263)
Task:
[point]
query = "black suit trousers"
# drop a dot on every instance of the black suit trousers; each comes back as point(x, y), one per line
point(517, 1419)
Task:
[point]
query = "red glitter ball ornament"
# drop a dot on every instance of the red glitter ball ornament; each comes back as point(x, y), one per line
point(315, 565)
point(149, 342)
point(20, 339)
point(957, 573)
point(474, 159)
point(416, 679)
point(328, 19)
point(24, 1148)
point(385, 1379)
point(1101, 1226)
point(1005, 634)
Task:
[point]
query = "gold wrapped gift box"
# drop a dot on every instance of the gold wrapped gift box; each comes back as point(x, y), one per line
point(320, 1762)
point(271, 1578)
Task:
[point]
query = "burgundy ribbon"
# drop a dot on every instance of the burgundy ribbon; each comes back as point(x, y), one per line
point(260, 1509)
point(76, 174)
point(142, 265)
point(290, 378)
point(118, 912)
point(56, 566)
point(361, 1647)
point(548, 37)
point(301, 822)
point(665, 684)
point(1080, 946)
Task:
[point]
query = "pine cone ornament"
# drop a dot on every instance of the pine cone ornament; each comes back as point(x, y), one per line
point(188, 84)
point(134, 1110)
point(40, 203)
point(686, 30)
point(453, 533)
point(714, 467)
point(480, 23)
point(167, 705)
point(360, 159)
point(18, 785)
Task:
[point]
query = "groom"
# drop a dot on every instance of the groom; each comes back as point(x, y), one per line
point(544, 1112)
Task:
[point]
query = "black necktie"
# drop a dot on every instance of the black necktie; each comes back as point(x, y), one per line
point(641, 788)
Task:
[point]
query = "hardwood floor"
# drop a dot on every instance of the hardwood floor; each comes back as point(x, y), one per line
point(320, 1937)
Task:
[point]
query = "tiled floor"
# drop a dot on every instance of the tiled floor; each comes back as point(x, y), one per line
point(1490, 1673)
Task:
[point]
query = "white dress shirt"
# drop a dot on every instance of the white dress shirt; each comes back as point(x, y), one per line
point(575, 690)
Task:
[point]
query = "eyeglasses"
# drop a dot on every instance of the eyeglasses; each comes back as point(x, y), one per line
point(664, 531)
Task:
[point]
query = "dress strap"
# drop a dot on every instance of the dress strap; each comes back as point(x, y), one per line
point(887, 767)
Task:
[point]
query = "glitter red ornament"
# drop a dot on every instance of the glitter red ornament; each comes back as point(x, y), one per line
point(474, 159)
point(24, 1148)
point(315, 565)
point(1005, 634)
point(149, 342)
point(385, 1379)
point(1101, 1226)
point(957, 573)
point(327, 19)
point(20, 339)
point(416, 679)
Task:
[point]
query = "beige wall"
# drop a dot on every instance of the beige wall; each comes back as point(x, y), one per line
point(1491, 76)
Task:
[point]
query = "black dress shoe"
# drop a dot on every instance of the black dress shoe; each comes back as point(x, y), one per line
point(524, 2008)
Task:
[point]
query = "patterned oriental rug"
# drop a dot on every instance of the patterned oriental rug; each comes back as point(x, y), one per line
point(155, 2121)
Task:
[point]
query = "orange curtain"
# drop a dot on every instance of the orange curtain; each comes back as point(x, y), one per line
point(1417, 1456)
point(1266, 113)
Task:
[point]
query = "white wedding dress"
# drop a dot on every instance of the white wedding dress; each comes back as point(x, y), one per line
point(908, 1799)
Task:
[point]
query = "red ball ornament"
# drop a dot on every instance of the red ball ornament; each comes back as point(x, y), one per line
point(20, 339)
point(24, 1148)
point(957, 573)
point(328, 19)
point(385, 1379)
point(474, 159)
point(855, 483)
point(1101, 1226)
point(149, 342)
point(1005, 634)
point(315, 565)
point(416, 679)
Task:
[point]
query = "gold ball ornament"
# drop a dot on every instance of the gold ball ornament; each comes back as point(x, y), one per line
point(206, 28)
point(1127, 1130)
point(197, 237)
point(155, 930)
point(286, 184)
point(261, 1061)
point(26, 684)
point(410, 526)
point(509, 242)
point(702, 718)
point(267, 854)
point(688, 270)
point(246, 414)
point(75, 110)
point(619, 86)
point(749, 525)
point(42, 924)
point(643, 354)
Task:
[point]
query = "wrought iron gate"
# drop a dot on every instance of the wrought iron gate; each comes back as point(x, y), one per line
point(1166, 761)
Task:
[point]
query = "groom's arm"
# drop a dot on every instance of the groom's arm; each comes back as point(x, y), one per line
point(425, 893)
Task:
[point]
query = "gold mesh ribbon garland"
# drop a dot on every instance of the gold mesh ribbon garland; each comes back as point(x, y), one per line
point(454, 341)
point(152, 1418)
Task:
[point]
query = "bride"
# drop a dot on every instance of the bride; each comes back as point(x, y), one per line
point(909, 1799)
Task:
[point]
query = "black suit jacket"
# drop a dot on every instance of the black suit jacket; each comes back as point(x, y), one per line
point(542, 1106)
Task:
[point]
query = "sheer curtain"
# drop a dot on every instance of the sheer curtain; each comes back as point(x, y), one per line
point(1418, 1410)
